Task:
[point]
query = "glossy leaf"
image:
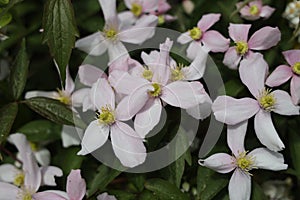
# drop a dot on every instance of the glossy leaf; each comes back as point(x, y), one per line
point(8, 114)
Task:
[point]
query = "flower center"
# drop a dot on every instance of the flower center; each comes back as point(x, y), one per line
point(147, 74)
point(136, 9)
point(19, 179)
point(195, 33)
point(177, 74)
point(161, 19)
point(241, 47)
point(63, 97)
point(267, 100)
point(27, 196)
point(157, 90)
point(106, 116)
point(245, 162)
point(254, 10)
point(296, 68)
point(33, 146)
point(110, 34)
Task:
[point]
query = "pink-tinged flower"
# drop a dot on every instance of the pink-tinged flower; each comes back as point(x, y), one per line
point(255, 10)
point(116, 31)
point(284, 72)
point(188, 6)
point(105, 196)
point(146, 93)
point(262, 39)
point(200, 35)
point(242, 162)
point(127, 144)
point(233, 111)
point(11, 174)
point(163, 7)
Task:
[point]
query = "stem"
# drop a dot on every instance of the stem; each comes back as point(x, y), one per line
point(296, 32)
point(238, 9)
point(10, 154)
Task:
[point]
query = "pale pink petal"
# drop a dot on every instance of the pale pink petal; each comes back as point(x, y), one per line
point(232, 111)
point(257, 3)
point(59, 193)
point(88, 105)
point(127, 145)
point(265, 131)
point(148, 117)
point(264, 38)
point(236, 136)
point(208, 21)
point(48, 175)
point(20, 141)
point(266, 159)
point(32, 94)
point(239, 186)
point(232, 58)
point(93, 44)
point(253, 73)
point(121, 64)
point(266, 12)
point(79, 95)
point(184, 38)
point(219, 162)
point(150, 6)
point(126, 20)
point(117, 50)
point(94, 137)
point(295, 89)
point(76, 186)
point(201, 111)
point(169, 18)
point(284, 104)
point(47, 196)
point(8, 173)
point(89, 74)
point(292, 56)
point(9, 191)
point(128, 3)
point(279, 76)
point(183, 94)
point(105, 196)
point(43, 157)
point(192, 49)
point(214, 41)
point(69, 86)
point(245, 12)
point(71, 135)
point(150, 59)
point(102, 95)
point(109, 11)
point(33, 176)
point(133, 103)
point(239, 32)
point(163, 6)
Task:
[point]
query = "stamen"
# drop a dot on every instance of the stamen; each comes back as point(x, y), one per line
point(245, 162)
point(136, 9)
point(147, 74)
point(254, 10)
point(106, 116)
point(157, 90)
point(33, 146)
point(195, 33)
point(296, 68)
point(63, 97)
point(161, 19)
point(110, 33)
point(267, 100)
point(241, 47)
point(19, 179)
point(177, 74)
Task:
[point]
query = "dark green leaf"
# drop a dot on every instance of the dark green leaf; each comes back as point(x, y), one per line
point(41, 130)
point(147, 195)
point(122, 195)
point(257, 193)
point(54, 111)
point(138, 181)
point(294, 139)
point(8, 114)
point(5, 19)
point(4, 1)
point(60, 31)
point(9, 6)
point(233, 87)
point(165, 190)
point(19, 72)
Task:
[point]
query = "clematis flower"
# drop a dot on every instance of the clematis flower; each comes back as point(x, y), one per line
point(163, 7)
point(146, 94)
point(105, 196)
point(284, 72)
point(11, 174)
point(255, 10)
point(117, 31)
point(262, 39)
point(242, 162)
point(200, 35)
point(126, 143)
point(233, 111)
point(188, 6)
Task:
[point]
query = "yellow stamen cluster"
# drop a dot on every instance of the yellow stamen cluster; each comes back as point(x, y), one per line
point(136, 9)
point(254, 10)
point(157, 90)
point(147, 74)
point(241, 47)
point(63, 97)
point(19, 179)
point(161, 19)
point(177, 74)
point(195, 33)
point(110, 33)
point(106, 116)
point(27, 196)
point(296, 68)
point(267, 100)
point(245, 162)
point(34, 147)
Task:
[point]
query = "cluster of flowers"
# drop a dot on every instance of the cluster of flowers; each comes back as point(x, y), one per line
point(292, 13)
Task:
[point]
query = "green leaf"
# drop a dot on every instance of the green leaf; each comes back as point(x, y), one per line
point(257, 193)
point(147, 195)
point(122, 195)
point(41, 130)
point(294, 140)
point(8, 114)
point(138, 181)
point(104, 176)
point(54, 111)
point(233, 87)
point(165, 190)
point(60, 31)
point(9, 6)
point(209, 184)
point(4, 1)
point(5, 19)
point(19, 72)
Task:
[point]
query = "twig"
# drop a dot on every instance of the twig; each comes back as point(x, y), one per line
point(10, 154)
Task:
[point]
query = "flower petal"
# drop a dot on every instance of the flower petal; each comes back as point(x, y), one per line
point(78, 96)
point(89, 74)
point(76, 186)
point(193, 48)
point(105, 196)
point(8, 191)
point(33, 176)
point(94, 137)
point(148, 117)
point(232, 111)
point(266, 159)
point(220, 162)
point(102, 95)
point(232, 58)
point(69, 86)
point(184, 38)
point(239, 32)
point(71, 135)
point(20, 141)
point(127, 145)
point(201, 111)
point(284, 104)
point(48, 175)
point(43, 157)
point(8, 173)
point(253, 70)
point(239, 186)
point(117, 50)
point(265, 131)
point(50, 94)
point(150, 6)
point(291, 56)
point(266, 12)
point(47, 196)
point(279, 76)
point(215, 42)
point(295, 89)
point(94, 44)
point(208, 21)
point(236, 136)
point(264, 38)
point(109, 11)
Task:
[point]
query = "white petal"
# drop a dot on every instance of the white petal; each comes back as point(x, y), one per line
point(220, 162)
point(184, 38)
point(236, 136)
point(117, 50)
point(8, 173)
point(102, 95)
point(33, 177)
point(197, 68)
point(71, 136)
point(43, 157)
point(48, 175)
point(201, 111)
point(50, 94)
point(105, 196)
point(79, 96)
point(8, 191)
point(284, 104)
point(89, 74)
point(239, 186)
point(94, 44)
